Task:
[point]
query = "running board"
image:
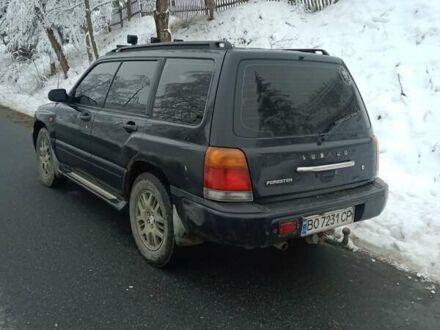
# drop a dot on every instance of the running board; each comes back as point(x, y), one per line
point(115, 201)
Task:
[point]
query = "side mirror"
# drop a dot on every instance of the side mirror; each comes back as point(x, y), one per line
point(58, 95)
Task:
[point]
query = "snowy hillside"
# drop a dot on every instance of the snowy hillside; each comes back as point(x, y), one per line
point(380, 41)
point(392, 51)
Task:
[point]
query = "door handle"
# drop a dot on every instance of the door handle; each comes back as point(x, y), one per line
point(130, 126)
point(85, 116)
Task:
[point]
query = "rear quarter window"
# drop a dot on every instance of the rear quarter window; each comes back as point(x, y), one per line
point(183, 90)
point(294, 98)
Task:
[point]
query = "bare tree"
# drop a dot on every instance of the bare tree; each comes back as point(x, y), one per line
point(58, 50)
point(41, 16)
point(88, 45)
point(30, 24)
point(161, 18)
point(90, 37)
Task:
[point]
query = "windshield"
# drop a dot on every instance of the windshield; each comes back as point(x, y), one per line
point(286, 98)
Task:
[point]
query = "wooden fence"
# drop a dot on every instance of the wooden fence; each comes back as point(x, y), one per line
point(199, 7)
point(119, 15)
point(314, 5)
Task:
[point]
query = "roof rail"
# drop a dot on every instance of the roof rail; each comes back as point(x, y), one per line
point(219, 44)
point(311, 50)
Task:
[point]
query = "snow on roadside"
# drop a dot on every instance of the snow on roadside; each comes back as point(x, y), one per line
point(382, 42)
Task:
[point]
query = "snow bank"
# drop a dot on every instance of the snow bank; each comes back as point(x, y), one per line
point(382, 42)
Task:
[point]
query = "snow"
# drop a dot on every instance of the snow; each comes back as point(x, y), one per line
point(382, 42)
point(24, 86)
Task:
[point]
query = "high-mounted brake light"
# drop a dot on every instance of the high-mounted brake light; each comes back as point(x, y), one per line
point(226, 175)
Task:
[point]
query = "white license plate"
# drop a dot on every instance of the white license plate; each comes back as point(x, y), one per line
point(322, 222)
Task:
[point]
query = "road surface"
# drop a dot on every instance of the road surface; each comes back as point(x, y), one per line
point(68, 261)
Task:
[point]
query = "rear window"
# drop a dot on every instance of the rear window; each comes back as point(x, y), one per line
point(284, 98)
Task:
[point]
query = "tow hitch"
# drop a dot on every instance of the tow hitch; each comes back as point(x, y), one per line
point(317, 238)
point(328, 237)
point(346, 231)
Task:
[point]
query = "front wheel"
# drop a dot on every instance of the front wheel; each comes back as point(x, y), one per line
point(151, 219)
point(46, 160)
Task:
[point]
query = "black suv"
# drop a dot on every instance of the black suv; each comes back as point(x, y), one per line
point(204, 141)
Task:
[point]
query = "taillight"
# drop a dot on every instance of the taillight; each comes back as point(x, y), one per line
point(376, 146)
point(226, 175)
point(287, 228)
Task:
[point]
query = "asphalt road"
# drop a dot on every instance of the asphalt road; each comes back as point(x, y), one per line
point(68, 261)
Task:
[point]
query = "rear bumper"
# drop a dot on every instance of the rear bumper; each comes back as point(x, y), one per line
point(255, 225)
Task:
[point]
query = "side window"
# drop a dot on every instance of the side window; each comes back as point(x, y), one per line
point(183, 90)
point(131, 87)
point(93, 88)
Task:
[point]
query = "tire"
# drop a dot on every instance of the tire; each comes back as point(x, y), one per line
point(46, 159)
point(151, 219)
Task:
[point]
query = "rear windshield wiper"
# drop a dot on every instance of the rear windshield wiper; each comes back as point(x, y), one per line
point(326, 132)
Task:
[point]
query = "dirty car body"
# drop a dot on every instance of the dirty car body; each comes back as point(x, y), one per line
point(254, 146)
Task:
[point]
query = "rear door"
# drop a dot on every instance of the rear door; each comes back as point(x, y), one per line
point(303, 127)
point(122, 118)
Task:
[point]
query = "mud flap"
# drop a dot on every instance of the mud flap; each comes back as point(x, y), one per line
point(181, 236)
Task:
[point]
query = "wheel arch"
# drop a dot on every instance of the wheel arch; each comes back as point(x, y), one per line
point(136, 168)
point(38, 125)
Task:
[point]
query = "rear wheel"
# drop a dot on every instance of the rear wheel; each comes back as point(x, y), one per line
point(151, 219)
point(46, 160)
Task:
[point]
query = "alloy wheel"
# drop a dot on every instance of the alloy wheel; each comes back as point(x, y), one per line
point(45, 157)
point(150, 220)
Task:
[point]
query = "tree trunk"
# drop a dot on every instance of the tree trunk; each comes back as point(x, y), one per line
point(53, 68)
point(40, 15)
point(90, 28)
point(128, 5)
point(161, 18)
point(210, 8)
point(58, 50)
point(88, 45)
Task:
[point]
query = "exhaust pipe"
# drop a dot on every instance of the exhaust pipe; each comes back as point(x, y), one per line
point(283, 246)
